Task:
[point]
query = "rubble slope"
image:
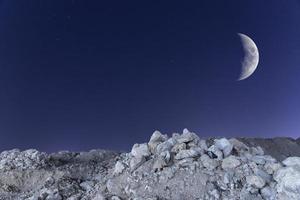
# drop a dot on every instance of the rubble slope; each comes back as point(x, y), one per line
point(182, 166)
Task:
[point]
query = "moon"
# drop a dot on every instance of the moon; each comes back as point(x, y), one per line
point(251, 57)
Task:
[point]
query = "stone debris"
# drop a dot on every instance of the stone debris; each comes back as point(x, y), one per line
point(208, 162)
point(181, 167)
point(16, 159)
point(119, 168)
point(135, 162)
point(213, 151)
point(187, 153)
point(224, 145)
point(230, 162)
point(255, 181)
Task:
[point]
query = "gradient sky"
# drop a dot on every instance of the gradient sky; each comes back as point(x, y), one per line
point(84, 74)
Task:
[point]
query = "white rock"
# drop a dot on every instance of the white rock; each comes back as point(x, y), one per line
point(269, 159)
point(187, 137)
point(185, 131)
point(87, 185)
point(224, 145)
point(257, 151)
point(215, 194)
point(202, 144)
point(99, 196)
point(51, 194)
point(271, 168)
point(158, 137)
point(291, 161)
point(135, 162)
point(114, 187)
point(161, 161)
point(268, 193)
point(165, 146)
point(230, 162)
point(115, 198)
point(185, 163)
point(192, 144)
point(155, 140)
point(159, 164)
point(22, 160)
point(166, 156)
point(209, 163)
point(238, 145)
point(178, 147)
point(213, 149)
point(255, 181)
point(260, 160)
point(140, 150)
point(188, 153)
point(288, 182)
point(264, 175)
point(119, 168)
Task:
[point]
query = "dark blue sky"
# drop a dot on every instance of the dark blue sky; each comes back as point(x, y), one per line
point(83, 74)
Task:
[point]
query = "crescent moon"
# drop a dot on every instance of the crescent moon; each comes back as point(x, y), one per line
point(251, 57)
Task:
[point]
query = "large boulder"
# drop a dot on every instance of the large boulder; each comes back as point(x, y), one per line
point(291, 161)
point(288, 182)
point(187, 137)
point(140, 150)
point(224, 145)
point(230, 162)
point(165, 146)
point(238, 146)
point(155, 140)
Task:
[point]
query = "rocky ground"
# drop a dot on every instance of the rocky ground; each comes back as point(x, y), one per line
point(181, 167)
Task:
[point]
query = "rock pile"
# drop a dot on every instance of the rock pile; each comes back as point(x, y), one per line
point(186, 167)
point(15, 159)
point(32, 175)
point(181, 167)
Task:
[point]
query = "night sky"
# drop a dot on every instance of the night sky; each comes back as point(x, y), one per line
point(84, 74)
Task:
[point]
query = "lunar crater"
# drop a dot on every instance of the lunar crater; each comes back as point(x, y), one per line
point(251, 57)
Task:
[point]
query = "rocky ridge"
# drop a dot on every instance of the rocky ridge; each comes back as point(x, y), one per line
point(181, 167)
